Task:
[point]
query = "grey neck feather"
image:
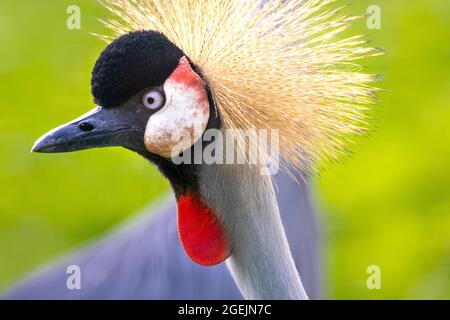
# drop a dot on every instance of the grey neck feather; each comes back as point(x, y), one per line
point(261, 261)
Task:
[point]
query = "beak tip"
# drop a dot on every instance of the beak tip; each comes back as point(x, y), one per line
point(36, 148)
point(41, 144)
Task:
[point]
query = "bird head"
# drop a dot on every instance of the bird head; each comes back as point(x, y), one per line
point(148, 95)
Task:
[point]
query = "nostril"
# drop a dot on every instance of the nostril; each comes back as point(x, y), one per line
point(86, 126)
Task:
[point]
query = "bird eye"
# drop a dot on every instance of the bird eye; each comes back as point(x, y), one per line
point(153, 99)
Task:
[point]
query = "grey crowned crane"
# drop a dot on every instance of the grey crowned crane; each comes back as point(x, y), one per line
point(188, 68)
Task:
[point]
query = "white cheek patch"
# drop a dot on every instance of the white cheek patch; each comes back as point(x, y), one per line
point(184, 118)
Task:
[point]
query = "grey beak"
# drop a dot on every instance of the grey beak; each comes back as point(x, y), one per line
point(96, 129)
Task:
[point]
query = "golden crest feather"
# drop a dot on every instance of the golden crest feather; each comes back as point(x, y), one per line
point(277, 65)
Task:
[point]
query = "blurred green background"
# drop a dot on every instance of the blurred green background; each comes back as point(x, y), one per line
point(388, 205)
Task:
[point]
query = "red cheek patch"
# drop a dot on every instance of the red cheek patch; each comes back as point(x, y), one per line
point(201, 233)
point(184, 75)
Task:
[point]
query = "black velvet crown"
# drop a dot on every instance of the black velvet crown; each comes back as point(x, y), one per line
point(130, 64)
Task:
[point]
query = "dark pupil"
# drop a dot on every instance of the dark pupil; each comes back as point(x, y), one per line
point(150, 100)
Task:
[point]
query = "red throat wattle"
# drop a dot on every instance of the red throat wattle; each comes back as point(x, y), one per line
point(201, 233)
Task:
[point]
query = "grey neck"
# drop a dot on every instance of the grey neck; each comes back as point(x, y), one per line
point(261, 261)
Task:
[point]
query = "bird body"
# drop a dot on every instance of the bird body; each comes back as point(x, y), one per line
point(143, 259)
point(178, 70)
